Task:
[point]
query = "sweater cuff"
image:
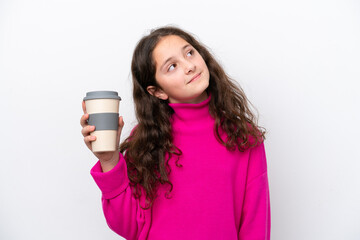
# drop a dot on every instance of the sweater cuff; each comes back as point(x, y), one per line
point(113, 182)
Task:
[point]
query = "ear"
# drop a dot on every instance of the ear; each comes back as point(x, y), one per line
point(157, 92)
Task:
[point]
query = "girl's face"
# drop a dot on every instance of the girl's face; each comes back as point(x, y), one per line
point(181, 72)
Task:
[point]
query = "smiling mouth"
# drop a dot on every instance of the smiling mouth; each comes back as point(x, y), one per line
point(196, 77)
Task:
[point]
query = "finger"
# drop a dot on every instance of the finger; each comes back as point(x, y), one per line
point(87, 130)
point(84, 106)
point(88, 140)
point(83, 120)
point(121, 122)
point(121, 125)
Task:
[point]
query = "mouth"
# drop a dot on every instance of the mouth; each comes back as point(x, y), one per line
point(196, 77)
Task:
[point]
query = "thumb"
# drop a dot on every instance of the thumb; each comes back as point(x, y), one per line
point(121, 125)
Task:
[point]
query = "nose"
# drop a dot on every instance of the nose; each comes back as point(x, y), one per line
point(189, 67)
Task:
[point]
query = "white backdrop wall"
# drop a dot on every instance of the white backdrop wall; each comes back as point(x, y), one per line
point(298, 62)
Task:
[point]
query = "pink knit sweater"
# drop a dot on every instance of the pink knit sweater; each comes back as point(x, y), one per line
point(217, 194)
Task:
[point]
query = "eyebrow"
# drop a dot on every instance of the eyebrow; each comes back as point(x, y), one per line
point(170, 58)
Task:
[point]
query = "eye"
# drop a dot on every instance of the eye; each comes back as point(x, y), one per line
point(171, 67)
point(190, 53)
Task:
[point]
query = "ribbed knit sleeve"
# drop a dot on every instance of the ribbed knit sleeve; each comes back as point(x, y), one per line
point(122, 211)
point(113, 182)
point(255, 218)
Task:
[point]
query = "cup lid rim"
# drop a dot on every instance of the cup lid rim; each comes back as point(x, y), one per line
point(102, 95)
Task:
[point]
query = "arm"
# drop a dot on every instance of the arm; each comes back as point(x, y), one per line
point(255, 221)
point(122, 211)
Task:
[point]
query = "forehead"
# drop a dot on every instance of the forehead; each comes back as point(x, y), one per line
point(168, 46)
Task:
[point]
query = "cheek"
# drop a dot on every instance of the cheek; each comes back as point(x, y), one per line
point(202, 63)
point(205, 68)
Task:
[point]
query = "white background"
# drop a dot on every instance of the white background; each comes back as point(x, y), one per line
point(298, 62)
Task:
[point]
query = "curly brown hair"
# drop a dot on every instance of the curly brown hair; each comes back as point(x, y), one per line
point(149, 147)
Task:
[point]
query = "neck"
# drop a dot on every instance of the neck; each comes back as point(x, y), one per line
point(191, 116)
point(195, 100)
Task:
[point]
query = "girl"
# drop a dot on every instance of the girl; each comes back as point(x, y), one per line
point(194, 167)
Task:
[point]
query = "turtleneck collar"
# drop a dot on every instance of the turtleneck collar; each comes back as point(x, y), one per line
point(191, 115)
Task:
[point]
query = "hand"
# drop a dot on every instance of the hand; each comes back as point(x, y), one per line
point(107, 159)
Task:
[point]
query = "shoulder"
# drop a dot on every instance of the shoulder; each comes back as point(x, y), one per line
point(255, 136)
point(257, 164)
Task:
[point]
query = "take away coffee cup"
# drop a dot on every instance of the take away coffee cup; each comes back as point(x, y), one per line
point(103, 110)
